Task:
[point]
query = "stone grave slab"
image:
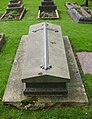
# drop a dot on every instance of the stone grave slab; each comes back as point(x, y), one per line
point(15, 10)
point(85, 59)
point(2, 40)
point(76, 92)
point(53, 78)
point(81, 14)
point(48, 10)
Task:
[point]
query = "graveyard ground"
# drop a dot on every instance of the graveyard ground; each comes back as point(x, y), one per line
point(81, 39)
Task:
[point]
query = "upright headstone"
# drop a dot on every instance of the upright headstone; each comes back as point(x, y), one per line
point(47, 6)
point(47, 9)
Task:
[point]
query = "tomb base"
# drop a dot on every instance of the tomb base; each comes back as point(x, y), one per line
point(45, 89)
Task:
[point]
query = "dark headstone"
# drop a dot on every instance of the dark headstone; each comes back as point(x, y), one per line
point(47, 5)
point(48, 10)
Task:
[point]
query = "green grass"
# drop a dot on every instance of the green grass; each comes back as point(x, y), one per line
point(81, 39)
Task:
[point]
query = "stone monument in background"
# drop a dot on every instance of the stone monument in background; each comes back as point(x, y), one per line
point(79, 14)
point(44, 72)
point(15, 10)
point(48, 10)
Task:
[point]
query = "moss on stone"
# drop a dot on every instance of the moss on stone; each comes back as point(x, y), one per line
point(29, 100)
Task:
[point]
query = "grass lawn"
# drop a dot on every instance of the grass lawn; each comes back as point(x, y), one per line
point(81, 39)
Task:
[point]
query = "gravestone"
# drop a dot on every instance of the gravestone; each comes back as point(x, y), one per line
point(47, 5)
point(2, 40)
point(16, 5)
point(81, 14)
point(44, 72)
point(47, 10)
point(15, 10)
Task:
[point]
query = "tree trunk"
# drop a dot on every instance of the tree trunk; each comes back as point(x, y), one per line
point(86, 3)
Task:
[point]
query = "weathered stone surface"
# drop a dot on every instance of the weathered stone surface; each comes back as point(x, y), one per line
point(14, 88)
point(85, 59)
point(80, 15)
point(40, 81)
point(34, 55)
point(76, 91)
point(2, 40)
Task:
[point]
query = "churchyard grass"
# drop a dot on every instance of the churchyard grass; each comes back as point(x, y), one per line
point(81, 39)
